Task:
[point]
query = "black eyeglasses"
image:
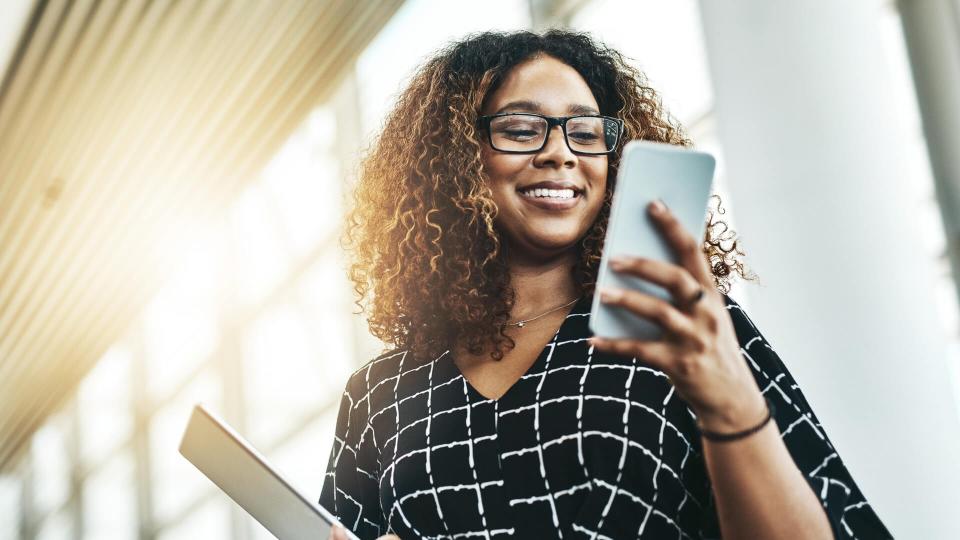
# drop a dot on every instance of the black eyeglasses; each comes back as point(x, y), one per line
point(527, 133)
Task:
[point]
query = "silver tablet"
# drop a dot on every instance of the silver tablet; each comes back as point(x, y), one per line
point(682, 178)
point(243, 474)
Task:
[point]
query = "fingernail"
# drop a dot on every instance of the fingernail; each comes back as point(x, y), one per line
point(657, 207)
point(617, 263)
point(610, 295)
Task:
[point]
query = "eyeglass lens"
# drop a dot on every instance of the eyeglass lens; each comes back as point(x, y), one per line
point(522, 133)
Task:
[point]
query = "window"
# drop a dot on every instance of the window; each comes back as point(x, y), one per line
point(58, 526)
point(51, 467)
point(10, 510)
point(175, 482)
point(110, 500)
point(180, 325)
point(390, 59)
point(210, 520)
point(103, 401)
point(303, 183)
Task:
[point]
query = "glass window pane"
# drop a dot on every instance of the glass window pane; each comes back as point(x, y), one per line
point(678, 72)
point(261, 261)
point(51, 467)
point(304, 181)
point(58, 526)
point(211, 520)
point(103, 401)
point(286, 374)
point(181, 322)
point(10, 487)
point(325, 297)
point(174, 480)
point(386, 64)
point(325, 287)
point(110, 500)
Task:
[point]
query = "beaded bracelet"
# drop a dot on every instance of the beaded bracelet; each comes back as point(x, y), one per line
point(726, 437)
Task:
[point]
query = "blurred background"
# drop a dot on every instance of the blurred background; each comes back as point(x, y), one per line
point(173, 175)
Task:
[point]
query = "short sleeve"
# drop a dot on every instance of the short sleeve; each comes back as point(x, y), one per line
point(849, 513)
point(350, 487)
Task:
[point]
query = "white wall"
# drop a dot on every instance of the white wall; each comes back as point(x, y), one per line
point(818, 151)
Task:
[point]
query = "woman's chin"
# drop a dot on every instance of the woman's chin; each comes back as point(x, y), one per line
point(547, 246)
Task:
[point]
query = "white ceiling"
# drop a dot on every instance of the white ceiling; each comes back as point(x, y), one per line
point(121, 124)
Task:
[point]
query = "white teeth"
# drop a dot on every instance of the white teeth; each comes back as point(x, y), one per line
point(549, 193)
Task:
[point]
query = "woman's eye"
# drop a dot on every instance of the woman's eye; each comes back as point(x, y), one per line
point(584, 136)
point(520, 133)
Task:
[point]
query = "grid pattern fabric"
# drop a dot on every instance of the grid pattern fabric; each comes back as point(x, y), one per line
point(584, 445)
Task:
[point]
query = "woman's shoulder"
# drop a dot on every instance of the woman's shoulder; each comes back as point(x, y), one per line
point(745, 328)
point(766, 364)
point(375, 370)
point(753, 343)
point(382, 372)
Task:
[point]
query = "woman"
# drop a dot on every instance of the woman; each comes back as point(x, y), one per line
point(477, 231)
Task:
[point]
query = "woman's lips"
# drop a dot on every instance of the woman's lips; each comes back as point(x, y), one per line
point(552, 203)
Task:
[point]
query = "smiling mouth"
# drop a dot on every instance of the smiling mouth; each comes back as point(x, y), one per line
point(551, 200)
point(550, 194)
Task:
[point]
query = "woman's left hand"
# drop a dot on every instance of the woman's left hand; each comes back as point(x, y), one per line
point(699, 350)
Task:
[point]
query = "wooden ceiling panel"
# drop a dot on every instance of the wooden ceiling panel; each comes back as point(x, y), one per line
point(121, 121)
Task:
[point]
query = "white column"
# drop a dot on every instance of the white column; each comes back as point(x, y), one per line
point(815, 147)
point(932, 31)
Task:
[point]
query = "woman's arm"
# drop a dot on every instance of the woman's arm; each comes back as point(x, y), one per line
point(350, 484)
point(758, 489)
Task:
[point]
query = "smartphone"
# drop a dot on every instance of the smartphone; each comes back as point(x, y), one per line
point(682, 179)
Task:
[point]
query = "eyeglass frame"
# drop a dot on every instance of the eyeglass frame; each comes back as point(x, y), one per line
point(483, 122)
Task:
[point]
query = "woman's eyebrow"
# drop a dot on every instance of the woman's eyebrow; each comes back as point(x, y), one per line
point(521, 105)
point(534, 106)
point(582, 109)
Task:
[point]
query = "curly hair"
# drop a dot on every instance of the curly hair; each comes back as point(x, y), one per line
point(421, 230)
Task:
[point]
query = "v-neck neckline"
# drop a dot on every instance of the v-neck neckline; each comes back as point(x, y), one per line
point(475, 395)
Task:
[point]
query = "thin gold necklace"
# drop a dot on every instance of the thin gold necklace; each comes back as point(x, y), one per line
point(520, 324)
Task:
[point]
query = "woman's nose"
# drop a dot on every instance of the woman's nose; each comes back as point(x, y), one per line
point(555, 152)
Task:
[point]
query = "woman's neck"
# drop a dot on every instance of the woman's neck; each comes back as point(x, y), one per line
point(541, 285)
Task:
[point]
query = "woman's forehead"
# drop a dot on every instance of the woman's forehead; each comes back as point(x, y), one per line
point(544, 85)
point(528, 105)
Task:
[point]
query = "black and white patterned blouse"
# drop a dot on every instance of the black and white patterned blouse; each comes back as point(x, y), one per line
point(584, 445)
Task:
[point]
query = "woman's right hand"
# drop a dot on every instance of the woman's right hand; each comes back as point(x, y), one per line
point(339, 534)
